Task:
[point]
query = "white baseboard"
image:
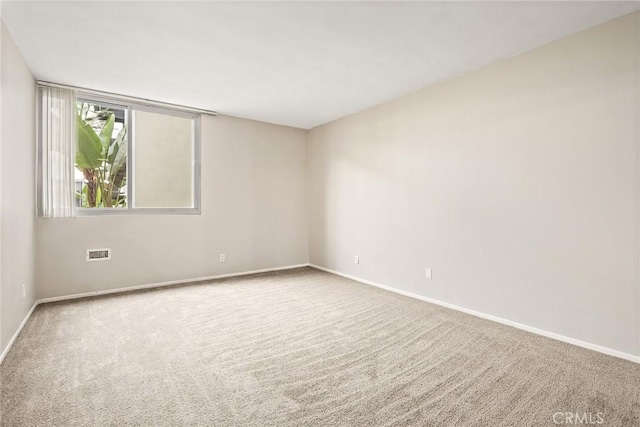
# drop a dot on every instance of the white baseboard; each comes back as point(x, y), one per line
point(15, 336)
point(579, 343)
point(595, 347)
point(135, 288)
point(169, 283)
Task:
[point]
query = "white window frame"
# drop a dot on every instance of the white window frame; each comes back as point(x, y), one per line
point(129, 107)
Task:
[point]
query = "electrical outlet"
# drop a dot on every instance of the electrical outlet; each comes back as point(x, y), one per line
point(222, 257)
point(356, 260)
point(428, 273)
point(24, 290)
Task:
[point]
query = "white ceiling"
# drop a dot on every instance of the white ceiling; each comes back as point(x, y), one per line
point(293, 63)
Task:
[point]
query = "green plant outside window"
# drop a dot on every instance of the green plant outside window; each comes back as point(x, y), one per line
point(101, 156)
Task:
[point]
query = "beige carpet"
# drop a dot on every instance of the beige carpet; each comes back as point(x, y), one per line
point(297, 348)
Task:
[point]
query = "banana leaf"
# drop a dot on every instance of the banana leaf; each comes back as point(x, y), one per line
point(89, 149)
point(106, 133)
point(118, 160)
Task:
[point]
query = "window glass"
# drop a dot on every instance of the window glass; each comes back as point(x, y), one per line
point(163, 160)
point(101, 155)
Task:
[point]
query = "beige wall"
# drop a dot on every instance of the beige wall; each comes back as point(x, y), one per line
point(517, 183)
point(254, 209)
point(17, 189)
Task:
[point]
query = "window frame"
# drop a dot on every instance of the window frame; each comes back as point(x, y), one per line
point(129, 107)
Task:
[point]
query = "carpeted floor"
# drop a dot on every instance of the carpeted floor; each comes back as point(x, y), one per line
point(297, 348)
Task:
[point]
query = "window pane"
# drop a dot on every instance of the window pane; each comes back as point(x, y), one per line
point(163, 158)
point(101, 155)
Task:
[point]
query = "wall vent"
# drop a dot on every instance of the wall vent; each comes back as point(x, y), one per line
point(98, 255)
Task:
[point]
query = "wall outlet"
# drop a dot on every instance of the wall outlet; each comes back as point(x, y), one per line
point(428, 273)
point(222, 257)
point(24, 290)
point(356, 260)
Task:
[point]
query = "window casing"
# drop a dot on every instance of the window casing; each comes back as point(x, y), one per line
point(162, 165)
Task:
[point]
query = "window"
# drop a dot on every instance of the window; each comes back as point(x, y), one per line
point(132, 158)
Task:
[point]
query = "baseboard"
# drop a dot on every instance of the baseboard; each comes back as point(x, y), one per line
point(584, 344)
point(579, 343)
point(135, 288)
point(15, 336)
point(169, 283)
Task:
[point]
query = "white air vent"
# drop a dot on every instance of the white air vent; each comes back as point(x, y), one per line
point(98, 254)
